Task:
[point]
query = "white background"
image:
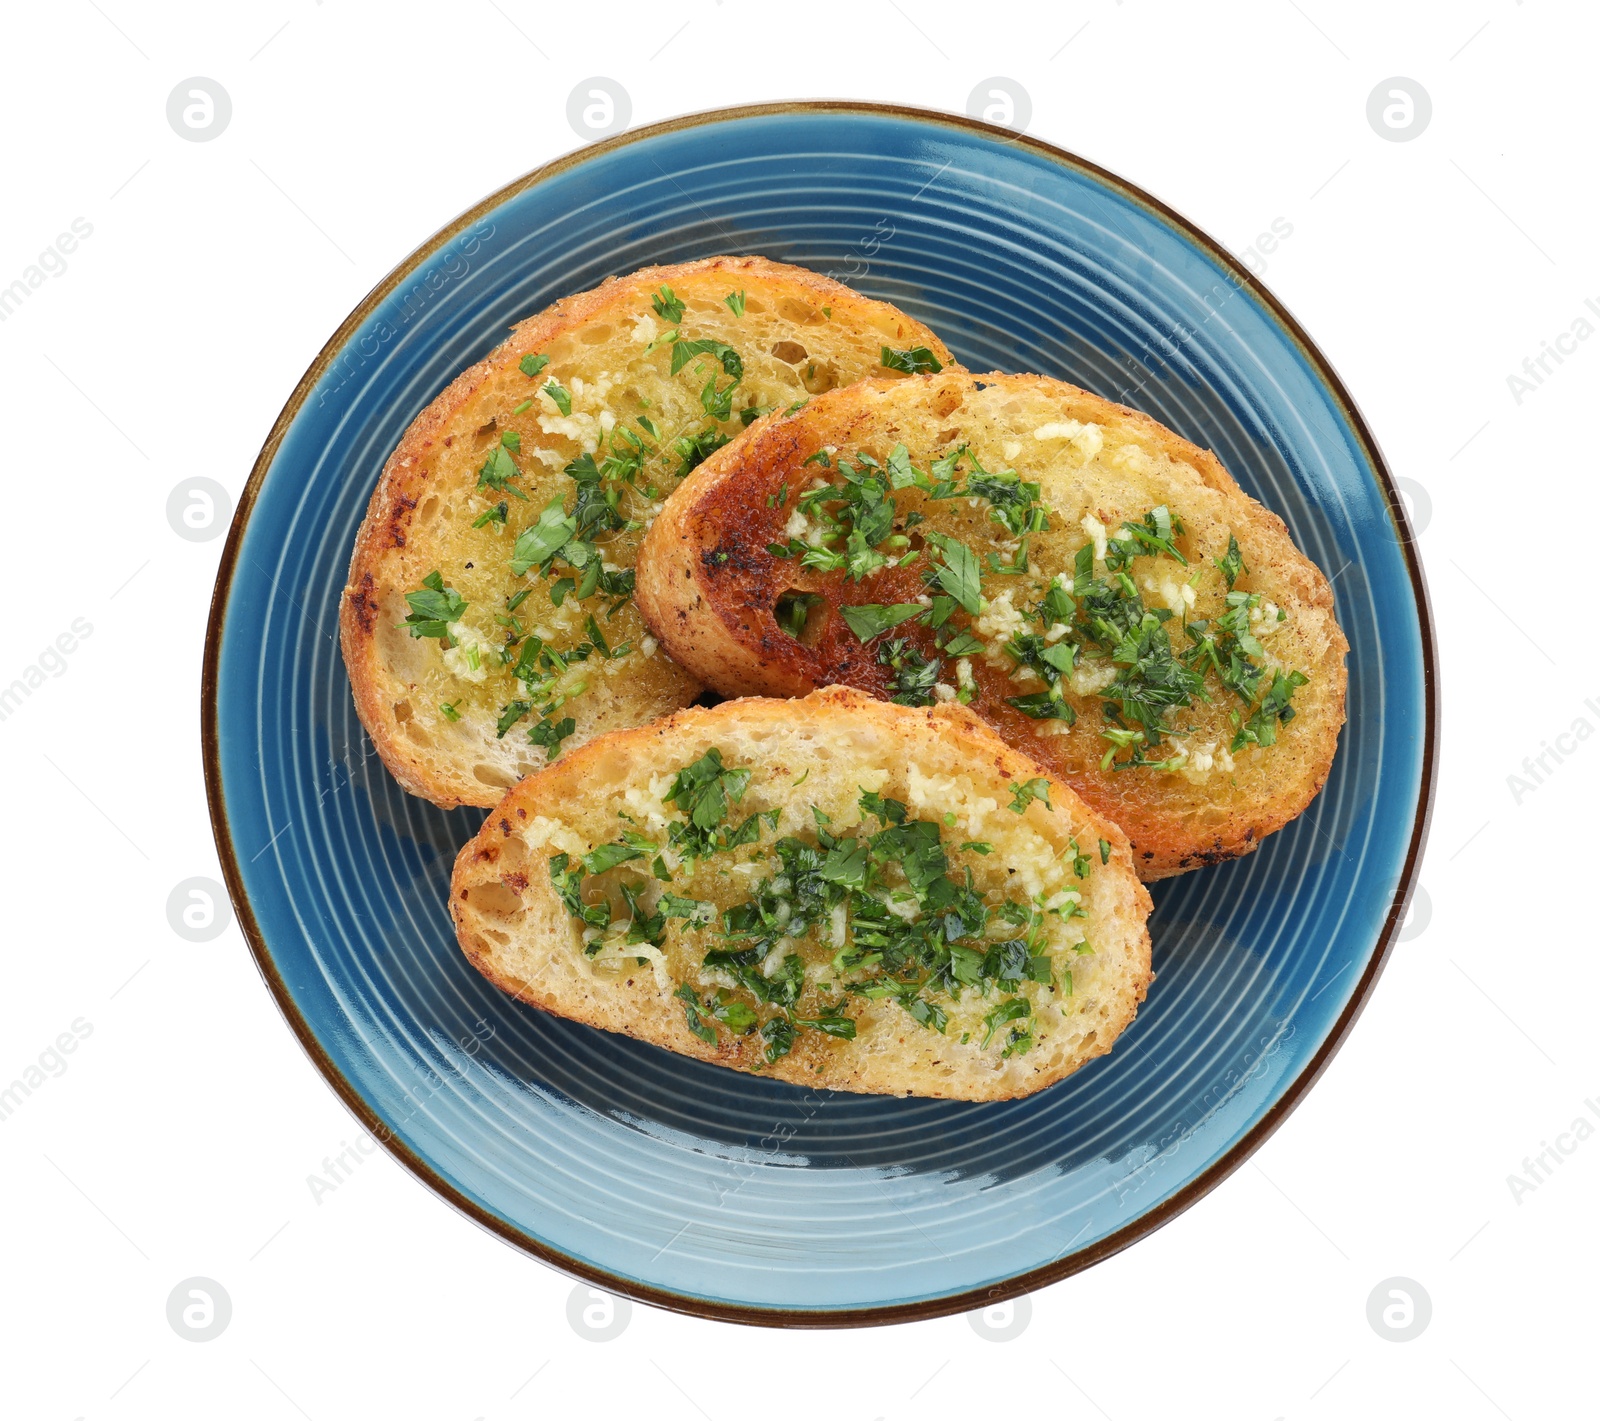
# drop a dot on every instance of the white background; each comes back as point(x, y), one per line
point(179, 1139)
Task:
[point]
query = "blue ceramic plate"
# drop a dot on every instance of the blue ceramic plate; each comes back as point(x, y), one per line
point(680, 1183)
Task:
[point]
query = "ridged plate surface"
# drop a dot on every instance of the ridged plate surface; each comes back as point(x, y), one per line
point(693, 1186)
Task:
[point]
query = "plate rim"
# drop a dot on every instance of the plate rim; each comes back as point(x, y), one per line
point(889, 1313)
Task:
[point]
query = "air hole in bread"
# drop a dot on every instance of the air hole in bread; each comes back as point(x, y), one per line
point(495, 899)
point(791, 352)
point(495, 935)
point(430, 507)
point(483, 431)
point(801, 615)
point(818, 377)
point(414, 732)
point(493, 775)
point(596, 335)
point(947, 436)
point(402, 711)
point(791, 308)
point(947, 401)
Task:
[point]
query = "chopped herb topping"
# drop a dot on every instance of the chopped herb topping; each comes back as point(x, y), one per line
point(667, 306)
point(901, 924)
point(684, 351)
point(498, 470)
point(914, 674)
point(510, 715)
point(868, 620)
point(550, 733)
point(1231, 565)
point(1082, 617)
point(533, 365)
point(702, 792)
point(1262, 726)
point(1023, 795)
point(692, 450)
point(959, 573)
point(433, 608)
point(540, 541)
point(919, 360)
point(560, 397)
point(1154, 534)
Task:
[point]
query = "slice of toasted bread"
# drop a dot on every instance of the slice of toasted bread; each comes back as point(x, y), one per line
point(833, 891)
point(554, 454)
point(1193, 732)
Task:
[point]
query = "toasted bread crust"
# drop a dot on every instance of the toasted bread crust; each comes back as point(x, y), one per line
point(463, 763)
point(516, 931)
point(707, 587)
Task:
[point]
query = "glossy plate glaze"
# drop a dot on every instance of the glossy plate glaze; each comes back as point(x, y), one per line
point(683, 1184)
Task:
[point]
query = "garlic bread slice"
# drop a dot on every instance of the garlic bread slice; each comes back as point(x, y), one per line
point(833, 891)
point(488, 622)
point(1098, 589)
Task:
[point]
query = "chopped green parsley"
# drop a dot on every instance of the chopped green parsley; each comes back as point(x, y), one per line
point(919, 360)
point(433, 607)
point(901, 923)
point(1084, 619)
